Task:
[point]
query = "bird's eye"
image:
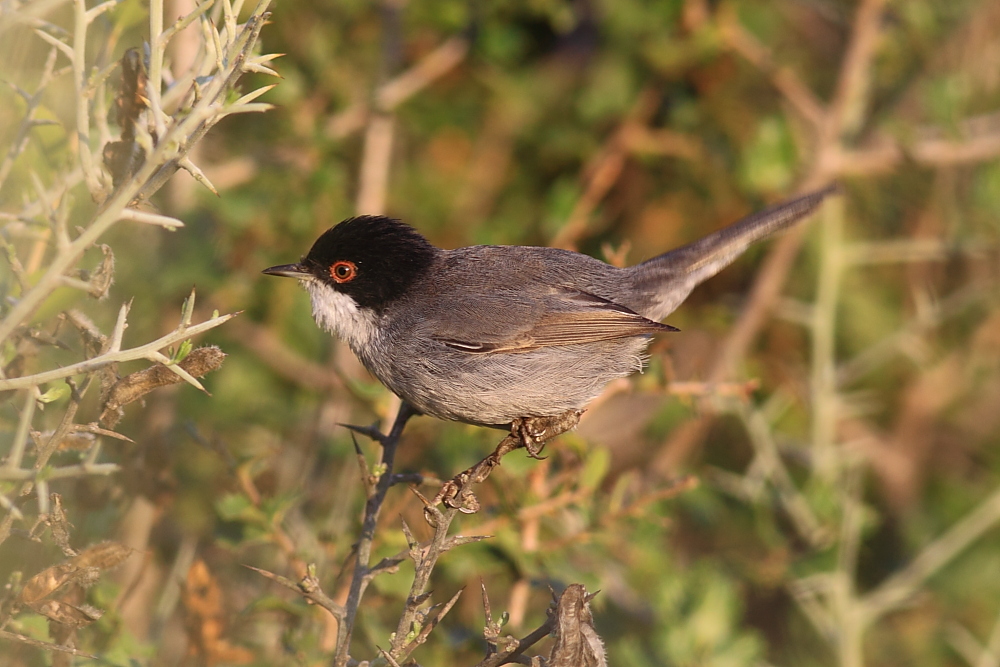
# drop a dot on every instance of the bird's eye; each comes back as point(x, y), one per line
point(343, 271)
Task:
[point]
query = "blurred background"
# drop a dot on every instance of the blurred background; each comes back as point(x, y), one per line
point(807, 474)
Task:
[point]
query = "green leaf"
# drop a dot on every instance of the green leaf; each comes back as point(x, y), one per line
point(237, 507)
point(182, 352)
point(57, 392)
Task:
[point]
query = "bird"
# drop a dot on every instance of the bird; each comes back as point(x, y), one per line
point(498, 335)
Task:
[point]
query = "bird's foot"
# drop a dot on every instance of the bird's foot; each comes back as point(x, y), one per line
point(529, 432)
point(534, 432)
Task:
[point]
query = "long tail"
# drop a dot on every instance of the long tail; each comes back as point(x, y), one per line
point(670, 277)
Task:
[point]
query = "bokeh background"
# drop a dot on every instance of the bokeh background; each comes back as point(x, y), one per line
point(807, 474)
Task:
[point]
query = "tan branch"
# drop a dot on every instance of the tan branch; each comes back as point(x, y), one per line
point(784, 79)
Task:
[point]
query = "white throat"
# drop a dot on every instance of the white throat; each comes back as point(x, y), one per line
point(341, 315)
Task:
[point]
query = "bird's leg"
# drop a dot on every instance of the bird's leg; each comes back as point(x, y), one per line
point(456, 493)
point(529, 432)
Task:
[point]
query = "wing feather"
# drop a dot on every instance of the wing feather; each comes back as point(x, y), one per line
point(576, 318)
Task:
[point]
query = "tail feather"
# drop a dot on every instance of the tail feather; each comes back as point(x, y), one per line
point(670, 277)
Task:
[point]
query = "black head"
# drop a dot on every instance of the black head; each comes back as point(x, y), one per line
point(371, 258)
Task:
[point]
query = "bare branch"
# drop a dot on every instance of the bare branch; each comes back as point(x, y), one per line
point(48, 646)
point(308, 588)
point(784, 78)
point(96, 363)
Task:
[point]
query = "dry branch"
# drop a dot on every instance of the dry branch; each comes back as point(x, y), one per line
point(134, 386)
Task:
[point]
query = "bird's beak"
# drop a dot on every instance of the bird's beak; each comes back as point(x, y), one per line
point(289, 271)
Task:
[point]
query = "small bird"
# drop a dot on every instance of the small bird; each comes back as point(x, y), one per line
point(496, 335)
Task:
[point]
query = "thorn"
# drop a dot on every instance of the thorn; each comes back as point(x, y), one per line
point(368, 431)
point(408, 534)
point(421, 496)
point(193, 169)
point(388, 658)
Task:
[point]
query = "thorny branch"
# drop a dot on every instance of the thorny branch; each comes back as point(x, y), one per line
point(833, 125)
point(416, 622)
point(163, 161)
point(308, 587)
point(198, 100)
point(570, 620)
point(29, 122)
point(839, 148)
point(373, 506)
point(501, 650)
point(117, 355)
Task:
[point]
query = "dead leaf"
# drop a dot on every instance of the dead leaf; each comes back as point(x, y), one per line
point(59, 525)
point(105, 556)
point(82, 569)
point(68, 614)
point(131, 98)
point(577, 642)
point(102, 276)
point(123, 158)
point(134, 386)
point(71, 577)
point(205, 619)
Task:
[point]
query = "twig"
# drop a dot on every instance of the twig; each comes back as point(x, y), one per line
point(773, 468)
point(850, 625)
point(55, 247)
point(424, 561)
point(895, 590)
point(431, 67)
point(783, 78)
point(739, 389)
point(876, 354)
point(505, 657)
point(402, 87)
point(13, 460)
point(208, 110)
point(146, 351)
point(156, 52)
point(823, 380)
point(910, 250)
point(80, 25)
point(62, 472)
point(162, 163)
point(885, 154)
point(359, 579)
point(428, 625)
point(850, 101)
point(28, 13)
point(990, 656)
point(48, 646)
point(48, 449)
point(390, 563)
point(374, 177)
point(28, 122)
point(850, 95)
point(830, 603)
point(308, 587)
point(604, 169)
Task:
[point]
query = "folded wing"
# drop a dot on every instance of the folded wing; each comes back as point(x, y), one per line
point(571, 317)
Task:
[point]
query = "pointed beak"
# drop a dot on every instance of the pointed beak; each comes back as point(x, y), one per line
point(289, 271)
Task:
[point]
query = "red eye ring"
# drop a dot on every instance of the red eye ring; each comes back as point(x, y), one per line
point(343, 271)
